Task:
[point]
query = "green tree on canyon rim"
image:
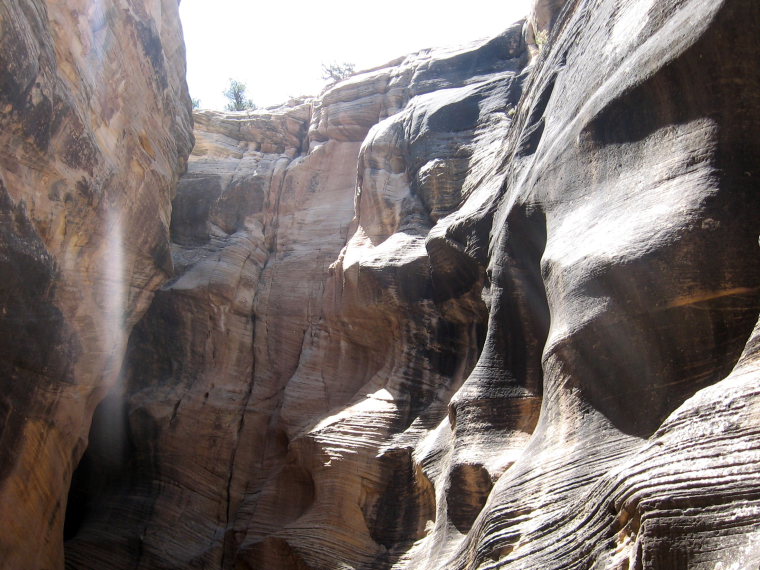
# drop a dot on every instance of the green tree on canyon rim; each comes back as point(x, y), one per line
point(236, 93)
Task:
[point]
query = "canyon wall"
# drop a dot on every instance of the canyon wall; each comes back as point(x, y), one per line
point(280, 380)
point(95, 129)
point(493, 306)
point(481, 307)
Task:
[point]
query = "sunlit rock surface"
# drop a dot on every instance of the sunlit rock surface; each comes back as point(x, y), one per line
point(633, 166)
point(468, 310)
point(280, 380)
point(95, 128)
point(486, 307)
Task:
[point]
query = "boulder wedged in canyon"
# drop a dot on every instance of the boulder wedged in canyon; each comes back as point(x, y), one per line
point(95, 129)
point(484, 307)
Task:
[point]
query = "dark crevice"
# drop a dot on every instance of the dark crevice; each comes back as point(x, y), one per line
point(105, 465)
point(398, 515)
point(533, 130)
point(229, 546)
point(468, 490)
point(522, 311)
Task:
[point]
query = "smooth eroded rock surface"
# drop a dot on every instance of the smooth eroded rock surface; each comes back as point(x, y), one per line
point(475, 309)
point(493, 306)
point(280, 380)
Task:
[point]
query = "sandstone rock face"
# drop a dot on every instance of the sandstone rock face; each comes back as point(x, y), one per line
point(95, 128)
point(280, 380)
point(487, 307)
point(635, 169)
point(463, 311)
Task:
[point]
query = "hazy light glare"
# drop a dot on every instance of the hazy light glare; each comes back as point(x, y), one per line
point(114, 293)
point(277, 48)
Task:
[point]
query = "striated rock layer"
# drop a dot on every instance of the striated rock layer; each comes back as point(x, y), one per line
point(95, 129)
point(486, 307)
point(479, 308)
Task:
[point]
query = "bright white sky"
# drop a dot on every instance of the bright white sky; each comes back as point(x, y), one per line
point(277, 47)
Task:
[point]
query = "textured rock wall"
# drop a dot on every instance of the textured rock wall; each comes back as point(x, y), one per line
point(637, 169)
point(479, 308)
point(267, 382)
point(95, 128)
point(487, 307)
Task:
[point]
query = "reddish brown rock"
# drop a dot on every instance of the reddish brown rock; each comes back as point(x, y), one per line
point(519, 351)
point(466, 310)
point(95, 128)
point(276, 360)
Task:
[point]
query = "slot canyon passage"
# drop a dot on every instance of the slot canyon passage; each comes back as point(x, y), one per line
point(487, 306)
